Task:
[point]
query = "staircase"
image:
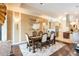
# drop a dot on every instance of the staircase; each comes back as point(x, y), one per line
point(3, 9)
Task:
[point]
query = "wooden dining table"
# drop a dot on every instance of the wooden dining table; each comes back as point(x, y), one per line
point(34, 39)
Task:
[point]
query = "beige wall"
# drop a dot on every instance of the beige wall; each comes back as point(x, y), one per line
point(16, 30)
point(9, 25)
point(12, 30)
point(26, 26)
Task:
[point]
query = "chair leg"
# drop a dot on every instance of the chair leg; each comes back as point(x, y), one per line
point(54, 41)
point(49, 44)
point(28, 46)
point(40, 47)
point(11, 52)
point(29, 49)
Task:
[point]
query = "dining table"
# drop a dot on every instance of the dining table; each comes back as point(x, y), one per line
point(34, 39)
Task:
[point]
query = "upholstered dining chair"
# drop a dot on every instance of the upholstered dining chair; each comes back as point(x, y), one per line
point(44, 37)
point(75, 40)
point(28, 41)
point(44, 40)
point(52, 38)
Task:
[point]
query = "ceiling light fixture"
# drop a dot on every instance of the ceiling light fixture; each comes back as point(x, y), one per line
point(77, 6)
point(41, 3)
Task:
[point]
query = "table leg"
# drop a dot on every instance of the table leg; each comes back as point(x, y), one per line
point(11, 53)
point(54, 41)
point(33, 46)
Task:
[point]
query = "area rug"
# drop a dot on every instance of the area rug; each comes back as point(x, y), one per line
point(44, 52)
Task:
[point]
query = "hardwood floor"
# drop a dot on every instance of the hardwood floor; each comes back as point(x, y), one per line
point(16, 50)
point(64, 51)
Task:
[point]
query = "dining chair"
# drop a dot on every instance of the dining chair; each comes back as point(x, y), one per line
point(44, 40)
point(28, 41)
point(75, 40)
point(40, 33)
point(34, 33)
point(44, 37)
point(52, 38)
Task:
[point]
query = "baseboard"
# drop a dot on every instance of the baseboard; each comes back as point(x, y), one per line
point(19, 43)
point(63, 42)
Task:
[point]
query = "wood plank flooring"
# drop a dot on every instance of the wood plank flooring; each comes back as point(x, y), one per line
point(16, 50)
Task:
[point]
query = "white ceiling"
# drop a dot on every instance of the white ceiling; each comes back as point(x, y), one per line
point(50, 9)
